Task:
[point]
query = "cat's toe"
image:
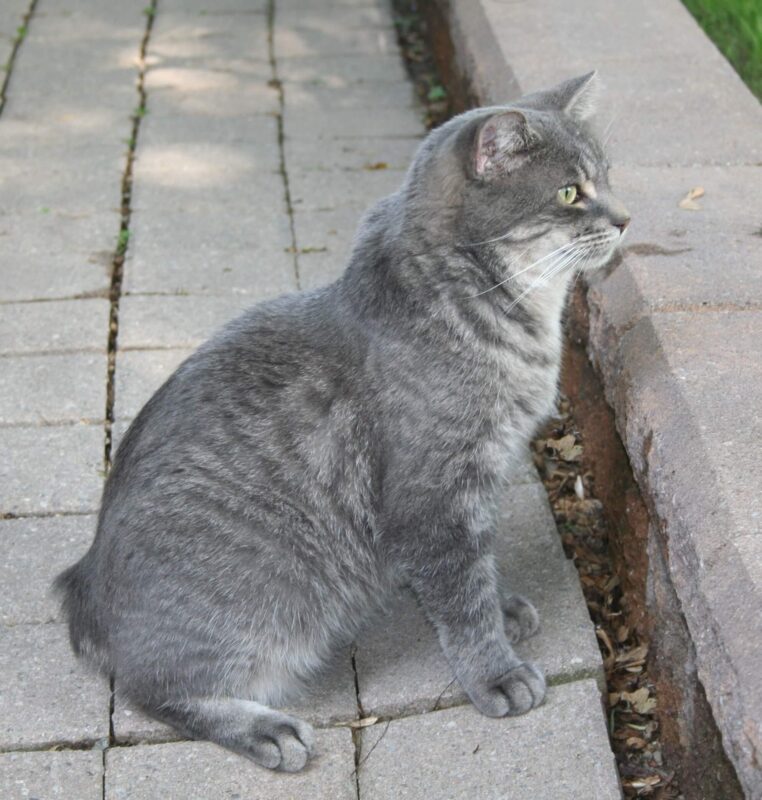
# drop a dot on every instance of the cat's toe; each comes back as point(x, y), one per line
point(524, 688)
point(520, 617)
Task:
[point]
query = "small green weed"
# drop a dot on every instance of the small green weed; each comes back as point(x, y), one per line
point(122, 241)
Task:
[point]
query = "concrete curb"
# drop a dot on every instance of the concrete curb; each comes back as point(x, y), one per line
point(676, 328)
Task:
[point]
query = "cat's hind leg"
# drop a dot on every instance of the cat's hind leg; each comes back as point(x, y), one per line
point(268, 737)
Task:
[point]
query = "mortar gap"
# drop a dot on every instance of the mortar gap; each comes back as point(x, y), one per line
point(21, 34)
point(117, 267)
point(276, 83)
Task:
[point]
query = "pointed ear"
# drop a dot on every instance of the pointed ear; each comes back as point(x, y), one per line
point(577, 97)
point(502, 143)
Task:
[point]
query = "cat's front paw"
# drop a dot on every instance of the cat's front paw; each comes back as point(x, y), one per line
point(520, 617)
point(520, 690)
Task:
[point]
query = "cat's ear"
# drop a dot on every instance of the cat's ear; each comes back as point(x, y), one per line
point(577, 97)
point(502, 143)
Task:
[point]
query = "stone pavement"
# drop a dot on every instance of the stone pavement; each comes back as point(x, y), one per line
point(262, 132)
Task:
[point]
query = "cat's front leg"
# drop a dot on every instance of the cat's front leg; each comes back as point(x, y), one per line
point(459, 592)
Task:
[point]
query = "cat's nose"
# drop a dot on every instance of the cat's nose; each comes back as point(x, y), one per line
point(622, 224)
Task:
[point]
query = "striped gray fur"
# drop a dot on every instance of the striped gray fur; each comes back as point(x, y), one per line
point(327, 447)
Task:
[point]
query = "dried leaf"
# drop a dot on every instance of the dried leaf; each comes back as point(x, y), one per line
point(376, 165)
point(688, 203)
point(579, 487)
point(640, 700)
point(365, 722)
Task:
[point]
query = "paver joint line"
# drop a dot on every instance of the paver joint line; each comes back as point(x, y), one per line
point(17, 42)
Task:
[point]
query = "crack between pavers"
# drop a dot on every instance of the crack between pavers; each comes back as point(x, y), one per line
point(276, 83)
point(117, 268)
point(21, 33)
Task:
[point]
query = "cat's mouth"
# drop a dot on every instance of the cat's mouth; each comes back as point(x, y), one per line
point(597, 250)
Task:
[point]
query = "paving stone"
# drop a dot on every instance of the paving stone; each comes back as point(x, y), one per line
point(11, 19)
point(182, 35)
point(37, 177)
point(49, 389)
point(51, 469)
point(63, 325)
point(336, 70)
point(326, 18)
point(199, 771)
point(558, 750)
point(332, 699)
point(139, 373)
point(63, 256)
point(315, 191)
point(203, 9)
point(357, 154)
point(192, 251)
point(217, 89)
point(357, 96)
point(91, 61)
point(174, 321)
point(47, 697)
point(33, 551)
point(347, 123)
point(51, 776)
point(316, 41)
point(400, 665)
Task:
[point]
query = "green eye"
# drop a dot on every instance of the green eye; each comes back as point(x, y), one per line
point(567, 195)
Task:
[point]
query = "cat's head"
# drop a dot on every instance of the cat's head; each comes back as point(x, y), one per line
point(533, 177)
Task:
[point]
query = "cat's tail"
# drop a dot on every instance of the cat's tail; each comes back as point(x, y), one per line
point(88, 639)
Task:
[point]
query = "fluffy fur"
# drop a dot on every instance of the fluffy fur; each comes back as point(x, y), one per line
point(327, 447)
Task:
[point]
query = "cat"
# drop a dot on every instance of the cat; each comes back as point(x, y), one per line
point(327, 447)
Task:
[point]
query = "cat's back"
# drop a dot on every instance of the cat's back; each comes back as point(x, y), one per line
point(241, 410)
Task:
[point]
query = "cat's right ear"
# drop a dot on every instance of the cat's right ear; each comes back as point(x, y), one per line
point(502, 144)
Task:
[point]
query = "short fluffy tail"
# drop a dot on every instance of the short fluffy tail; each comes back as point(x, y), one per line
point(88, 639)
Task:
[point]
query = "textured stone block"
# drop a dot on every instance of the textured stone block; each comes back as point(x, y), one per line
point(335, 70)
point(50, 327)
point(47, 696)
point(48, 255)
point(559, 750)
point(139, 373)
point(179, 33)
point(178, 321)
point(367, 153)
point(51, 776)
point(358, 96)
point(33, 551)
point(44, 390)
point(315, 191)
point(315, 41)
point(51, 469)
point(199, 771)
point(191, 250)
point(231, 89)
point(400, 665)
point(347, 123)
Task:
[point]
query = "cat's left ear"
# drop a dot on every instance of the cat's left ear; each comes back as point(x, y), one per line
point(503, 142)
point(577, 97)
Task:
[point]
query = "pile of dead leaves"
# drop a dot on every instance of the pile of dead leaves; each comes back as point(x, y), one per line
point(413, 39)
point(632, 703)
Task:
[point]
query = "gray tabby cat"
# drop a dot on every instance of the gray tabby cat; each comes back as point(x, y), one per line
point(327, 447)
